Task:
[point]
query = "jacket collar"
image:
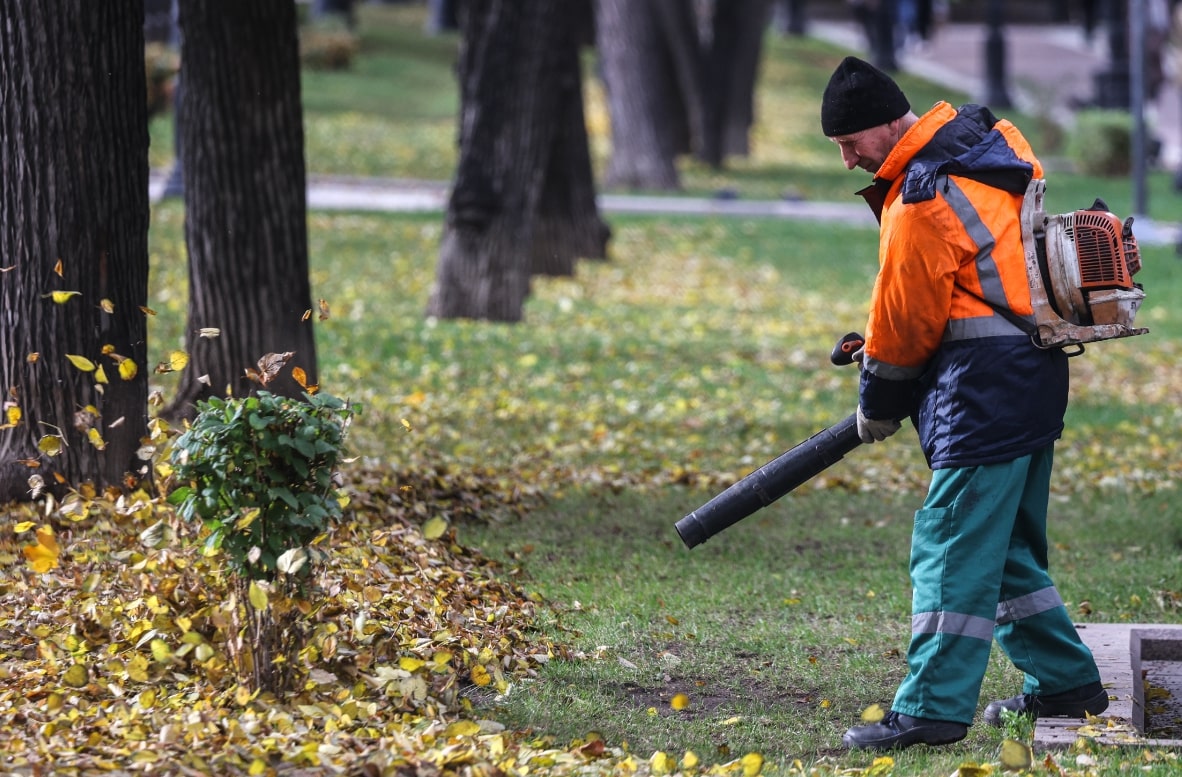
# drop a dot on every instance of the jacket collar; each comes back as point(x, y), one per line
point(914, 139)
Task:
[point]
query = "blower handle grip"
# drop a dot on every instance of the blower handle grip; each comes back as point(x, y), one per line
point(843, 352)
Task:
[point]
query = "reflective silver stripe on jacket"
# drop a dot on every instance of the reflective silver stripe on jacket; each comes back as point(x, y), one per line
point(1031, 604)
point(992, 291)
point(889, 371)
point(937, 622)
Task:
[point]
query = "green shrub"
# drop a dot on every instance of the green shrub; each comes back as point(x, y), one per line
point(258, 472)
point(1101, 142)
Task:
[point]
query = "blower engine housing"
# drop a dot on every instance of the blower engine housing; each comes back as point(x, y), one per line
point(1080, 266)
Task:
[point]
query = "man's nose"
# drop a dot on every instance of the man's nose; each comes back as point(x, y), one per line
point(849, 158)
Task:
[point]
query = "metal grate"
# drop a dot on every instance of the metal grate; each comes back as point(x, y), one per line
point(1100, 250)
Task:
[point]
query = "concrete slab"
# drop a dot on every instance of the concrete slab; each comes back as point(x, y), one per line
point(1123, 652)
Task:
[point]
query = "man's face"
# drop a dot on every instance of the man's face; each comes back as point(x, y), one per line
point(868, 149)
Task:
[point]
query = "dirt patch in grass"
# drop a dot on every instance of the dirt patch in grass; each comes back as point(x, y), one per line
point(718, 695)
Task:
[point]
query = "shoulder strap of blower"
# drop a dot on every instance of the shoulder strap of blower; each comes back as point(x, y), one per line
point(991, 293)
point(1079, 266)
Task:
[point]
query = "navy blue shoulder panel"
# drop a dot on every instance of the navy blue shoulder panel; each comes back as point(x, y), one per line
point(967, 146)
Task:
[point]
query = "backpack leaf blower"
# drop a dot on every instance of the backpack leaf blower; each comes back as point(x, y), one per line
point(1079, 266)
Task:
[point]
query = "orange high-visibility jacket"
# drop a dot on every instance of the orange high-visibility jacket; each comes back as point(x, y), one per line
point(950, 258)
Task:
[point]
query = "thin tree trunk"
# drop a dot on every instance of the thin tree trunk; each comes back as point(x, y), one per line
point(74, 220)
point(245, 198)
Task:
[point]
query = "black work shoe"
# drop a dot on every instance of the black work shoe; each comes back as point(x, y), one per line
point(1079, 702)
point(896, 731)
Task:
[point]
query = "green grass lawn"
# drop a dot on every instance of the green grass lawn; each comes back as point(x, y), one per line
point(647, 383)
point(643, 385)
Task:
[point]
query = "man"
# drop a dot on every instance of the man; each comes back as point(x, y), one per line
point(945, 346)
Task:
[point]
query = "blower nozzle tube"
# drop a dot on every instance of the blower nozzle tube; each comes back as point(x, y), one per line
point(770, 482)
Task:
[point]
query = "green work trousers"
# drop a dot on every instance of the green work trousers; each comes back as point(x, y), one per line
point(979, 572)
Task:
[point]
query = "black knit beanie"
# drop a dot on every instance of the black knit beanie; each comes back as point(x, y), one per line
point(860, 96)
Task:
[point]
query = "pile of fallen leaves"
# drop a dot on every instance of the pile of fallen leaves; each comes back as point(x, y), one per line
point(113, 629)
point(114, 659)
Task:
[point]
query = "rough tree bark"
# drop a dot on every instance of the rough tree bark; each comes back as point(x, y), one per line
point(245, 198)
point(73, 218)
point(521, 138)
point(673, 90)
point(648, 124)
point(567, 225)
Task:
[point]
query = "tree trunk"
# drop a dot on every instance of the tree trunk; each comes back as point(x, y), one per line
point(647, 114)
point(519, 76)
point(739, 27)
point(73, 218)
point(567, 225)
point(677, 26)
point(245, 198)
point(441, 16)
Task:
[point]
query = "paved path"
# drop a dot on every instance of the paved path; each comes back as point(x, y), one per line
point(1121, 653)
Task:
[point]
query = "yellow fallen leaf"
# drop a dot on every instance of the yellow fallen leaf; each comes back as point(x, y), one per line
point(81, 362)
point(410, 663)
point(160, 650)
point(147, 698)
point(752, 764)
point(23, 526)
point(13, 415)
point(661, 763)
point(679, 701)
point(1016, 755)
point(128, 369)
point(435, 527)
point(178, 360)
point(62, 297)
point(43, 556)
point(258, 596)
point(100, 375)
point(690, 760)
point(462, 728)
point(96, 438)
point(107, 305)
point(76, 676)
point(50, 445)
point(480, 675)
point(249, 517)
point(873, 714)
